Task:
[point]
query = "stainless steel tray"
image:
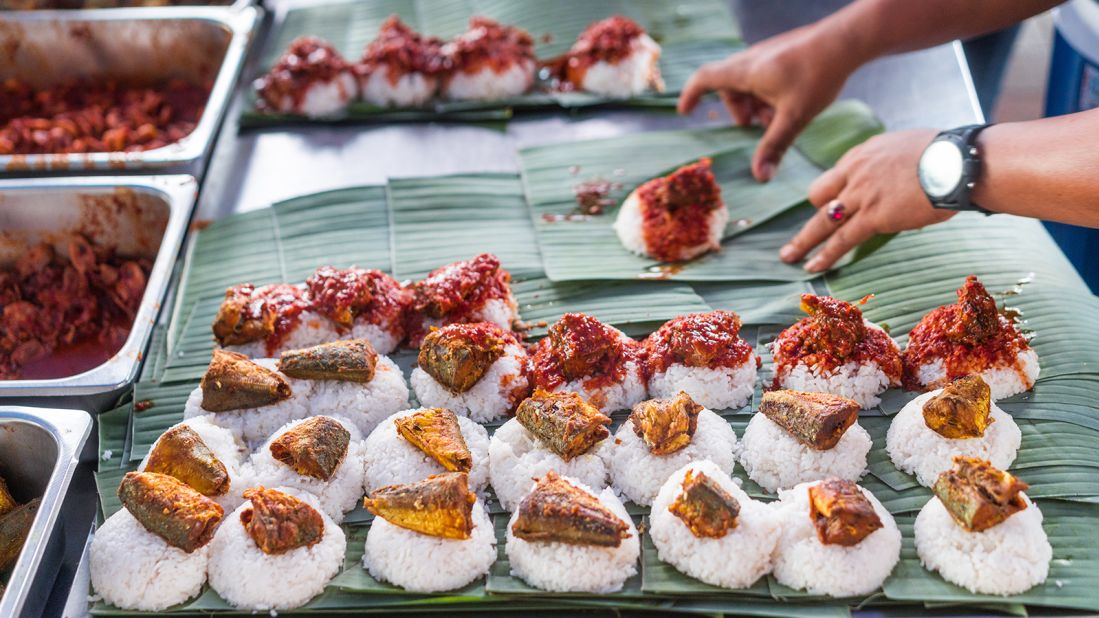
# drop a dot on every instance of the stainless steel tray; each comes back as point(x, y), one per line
point(134, 214)
point(39, 450)
point(139, 44)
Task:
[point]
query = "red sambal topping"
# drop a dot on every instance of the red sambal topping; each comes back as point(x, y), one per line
point(834, 334)
point(968, 336)
point(488, 44)
point(345, 296)
point(609, 40)
point(402, 50)
point(307, 61)
point(697, 340)
point(675, 211)
point(266, 313)
point(459, 289)
point(581, 347)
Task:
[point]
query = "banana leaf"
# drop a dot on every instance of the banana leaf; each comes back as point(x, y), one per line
point(113, 461)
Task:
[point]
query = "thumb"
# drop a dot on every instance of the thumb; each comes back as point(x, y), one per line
point(775, 141)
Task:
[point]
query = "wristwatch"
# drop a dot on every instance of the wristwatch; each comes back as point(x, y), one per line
point(949, 168)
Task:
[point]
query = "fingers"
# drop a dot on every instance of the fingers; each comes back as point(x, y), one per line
point(780, 133)
point(815, 231)
point(739, 106)
point(827, 186)
point(720, 75)
point(856, 231)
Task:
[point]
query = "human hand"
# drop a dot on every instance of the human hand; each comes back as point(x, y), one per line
point(876, 184)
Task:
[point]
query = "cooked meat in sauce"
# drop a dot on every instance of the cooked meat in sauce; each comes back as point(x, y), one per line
point(436, 432)
point(7, 502)
point(350, 360)
point(314, 447)
point(666, 425)
point(233, 382)
point(563, 422)
point(556, 511)
point(841, 513)
point(977, 495)
point(170, 509)
point(440, 505)
point(962, 410)
point(182, 453)
point(710, 340)
point(817, 420)
point(266, 313)
point(279, 522)
point(705, 507)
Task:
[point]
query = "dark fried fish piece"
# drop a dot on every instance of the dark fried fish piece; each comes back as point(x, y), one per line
point(170, 509)
point(458, 356)
point(962, 410)
point(7, 503)
point(232, 382)
point(817, 420)
point(440, 505)
point(436, 432)
point(352, 360)
point(15, 526)
point(564, 422)
point(314, 447)
point(977, 495)
point(556, 511)
point(241, 319)
point(666, 425)
point(842, 514)
point(279, 522)
point(705, 507)
point(181, 453)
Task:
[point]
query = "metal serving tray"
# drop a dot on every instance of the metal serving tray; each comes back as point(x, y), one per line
point(39, 450)
point(134, 214)
point(139, 44)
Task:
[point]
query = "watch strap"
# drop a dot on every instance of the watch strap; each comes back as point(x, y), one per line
point(964, 138)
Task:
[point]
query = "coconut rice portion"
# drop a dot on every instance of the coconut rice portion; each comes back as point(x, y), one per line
point(612, 397)
point(224, 445)
point(516, 458)
point(490, 398)
point(638, 474)
point(1004, 382)
point(424, 563)
point(804, 563)
point(628, 77)
point(629, 226)
point(561, 567)
point(392, 460)
point(248, 578)
point(1008, 558)
point(412, 89)
point(776, 460)
point(736, 560)
point(861, 382)
point(134, 569)
point(365, 405)
point(487, 84)
point(312, 329)
point(718, 388)
point(917, 449)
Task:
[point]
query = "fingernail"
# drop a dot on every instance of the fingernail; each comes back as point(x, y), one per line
point(815, 265)
point(766, 170)
point(788, 253)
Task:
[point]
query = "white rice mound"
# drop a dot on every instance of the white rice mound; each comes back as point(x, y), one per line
point(1002, 381)
point(804, 563)
point(423, 563)
point(720, 388)
point(561, 567)
point(365, 405)
point(338, 495)
point(412, 89)
point(638, 474)
point(1008, 558)
point(516, 457)
point(612, 397)
point(489, 398)
point(861, 382)
point(630, 76)
point(315, 329)
point(323, 98)
point(249, 579)
point(134, 569)
point(736, 560)
point(487, 84)
point(628, 226)
point(917, 449)
point(381, 336)
point(225, 447)
point(392, 460)
point(776, 460)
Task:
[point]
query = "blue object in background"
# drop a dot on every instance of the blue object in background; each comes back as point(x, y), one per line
point(1073, 87)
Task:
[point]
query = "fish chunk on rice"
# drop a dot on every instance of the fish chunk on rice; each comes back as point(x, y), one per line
point(776, 460)
point(1004, 382)
point(392, 460)
point(224, 445)
point(491, 398)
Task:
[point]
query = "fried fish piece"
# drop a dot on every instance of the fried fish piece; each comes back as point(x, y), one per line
point(7, 503)
point(817, 420)
point(241, 319)
point(182, 453)
point(564, 422)
point(440, 505)
point(556, 511)
point(314, 447)
point(666, 425)
point(962, 410)
point(233, 382)
point(351, 360)
point(842, 514)
point(279, 522)
point(459, 355)
point(170, 509)
point(977, 495)
point(705, 507)
point(436, 432)
point(15, 527)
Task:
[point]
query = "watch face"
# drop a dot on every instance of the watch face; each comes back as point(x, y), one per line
point(940, 168)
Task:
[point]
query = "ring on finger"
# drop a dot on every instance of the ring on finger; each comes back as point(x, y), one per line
point(836, 211)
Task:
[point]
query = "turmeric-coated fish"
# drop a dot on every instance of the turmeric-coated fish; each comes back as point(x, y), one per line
point(314, 447)
point(233, 382)
point(705, 507)
point(841, 513)
point(279, 522)
point(556, 511)
point(459, 355)
point(666, 425)
point(352, 360)
point(962, 410)
point(182, 453)
point(977, 495)
point(440, 505)
point(817, 420)
point(15, 526)
point(7, 503)
point(170, 509)
point(436, 432)
point(564, 422)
